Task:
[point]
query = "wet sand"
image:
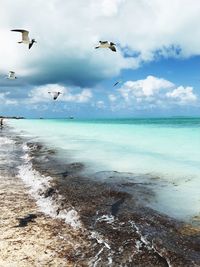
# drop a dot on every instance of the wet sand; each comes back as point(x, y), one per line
point(28, 236)
point(43, 241)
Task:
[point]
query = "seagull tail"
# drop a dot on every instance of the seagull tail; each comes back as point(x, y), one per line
point(96, 47)
point(19, 42)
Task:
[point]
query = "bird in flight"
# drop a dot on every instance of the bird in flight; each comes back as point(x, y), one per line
point(55, 95)
point(11, 75)
point(25, 38)
point(118, 82)
point(106, 44)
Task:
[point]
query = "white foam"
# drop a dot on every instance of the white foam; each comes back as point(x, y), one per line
point(100, 240)
point(38, 184)
point(106, 218)
point(149, 245)
point(6, 141)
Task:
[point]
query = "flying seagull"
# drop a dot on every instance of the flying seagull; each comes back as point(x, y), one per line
point(117, 83)
point(55, 95)
point(25, 38)
point(11, 75)
point(106, 44)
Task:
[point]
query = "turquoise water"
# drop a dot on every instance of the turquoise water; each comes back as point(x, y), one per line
point(168, 149)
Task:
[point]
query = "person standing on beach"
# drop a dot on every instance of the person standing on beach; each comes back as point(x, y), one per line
point(1, 122)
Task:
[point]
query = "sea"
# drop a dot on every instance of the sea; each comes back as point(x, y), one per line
point(140, 176)
point(166, 149)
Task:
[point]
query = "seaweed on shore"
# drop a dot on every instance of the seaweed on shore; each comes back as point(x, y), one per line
point(27, 219)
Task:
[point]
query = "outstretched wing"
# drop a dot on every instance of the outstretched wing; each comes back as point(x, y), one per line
point(112, 47)
point(103, 42)
point(30, 45)
point(24, 34)
point(55, 94)
point(115, 84)
point(11, 74)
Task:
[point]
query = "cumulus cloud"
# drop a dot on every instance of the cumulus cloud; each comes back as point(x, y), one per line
point(153, 92)
point(40, 94)
point(182, 95)
point(66, 34)
point(112, 97)
point(146, 87)
point(65, 49)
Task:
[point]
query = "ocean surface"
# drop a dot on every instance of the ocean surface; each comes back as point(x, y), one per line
point(163, 153)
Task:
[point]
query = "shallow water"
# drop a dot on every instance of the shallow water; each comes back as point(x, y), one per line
point(165, 151)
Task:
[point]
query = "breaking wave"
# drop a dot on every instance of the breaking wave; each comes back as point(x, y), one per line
point(40, 187)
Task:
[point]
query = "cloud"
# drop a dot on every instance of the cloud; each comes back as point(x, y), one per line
point(40, 94)
point(64, 56)
point(65, 50)
point(146, 87)
point(183, 95)
point(112, 97)
point(100, 104)
point(153, 92)
point(4, 100)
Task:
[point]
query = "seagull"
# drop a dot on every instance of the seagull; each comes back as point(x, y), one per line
point(55, 94)
point(117, 83)
point(11, 75)
point(106, 44)
point(25, 38)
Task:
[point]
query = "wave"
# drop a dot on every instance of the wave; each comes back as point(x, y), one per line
point(6, 141)
point(41, 188)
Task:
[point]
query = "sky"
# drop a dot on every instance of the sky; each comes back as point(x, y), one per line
point(157, 62)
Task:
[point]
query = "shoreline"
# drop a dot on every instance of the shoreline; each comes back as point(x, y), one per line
point(30, 237)
point(115, 227)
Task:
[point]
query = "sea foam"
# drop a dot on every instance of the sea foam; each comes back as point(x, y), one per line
point(38, 184)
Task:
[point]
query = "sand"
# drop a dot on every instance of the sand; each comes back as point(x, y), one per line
point(43, 242)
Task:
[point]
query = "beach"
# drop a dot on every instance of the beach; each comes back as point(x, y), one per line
point(28, 236)
point(55, 213)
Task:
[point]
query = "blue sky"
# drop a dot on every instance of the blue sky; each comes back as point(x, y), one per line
point(157, 59)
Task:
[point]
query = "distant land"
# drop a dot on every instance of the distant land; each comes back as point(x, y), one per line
point(12, 117)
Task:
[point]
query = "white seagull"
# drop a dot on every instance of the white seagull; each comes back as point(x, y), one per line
point(25, 38)
point(11, 75)
point(106, 44)
point(55, 95)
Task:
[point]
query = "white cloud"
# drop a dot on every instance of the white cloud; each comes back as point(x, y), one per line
point(153, 92)
point(146, 87)
point(100, 104)
point(106, 8)
point(182, 94)
point(40, 94)
point(82, 97)
point(112, 98)
point(67, 37)
point(4, 100)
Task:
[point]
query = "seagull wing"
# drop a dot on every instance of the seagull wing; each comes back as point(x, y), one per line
point(24, 34)
point(30, 45)
point(11, 74)
point(103, 42)
point(113, 48)
point(55, 96)
point(115, 84)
